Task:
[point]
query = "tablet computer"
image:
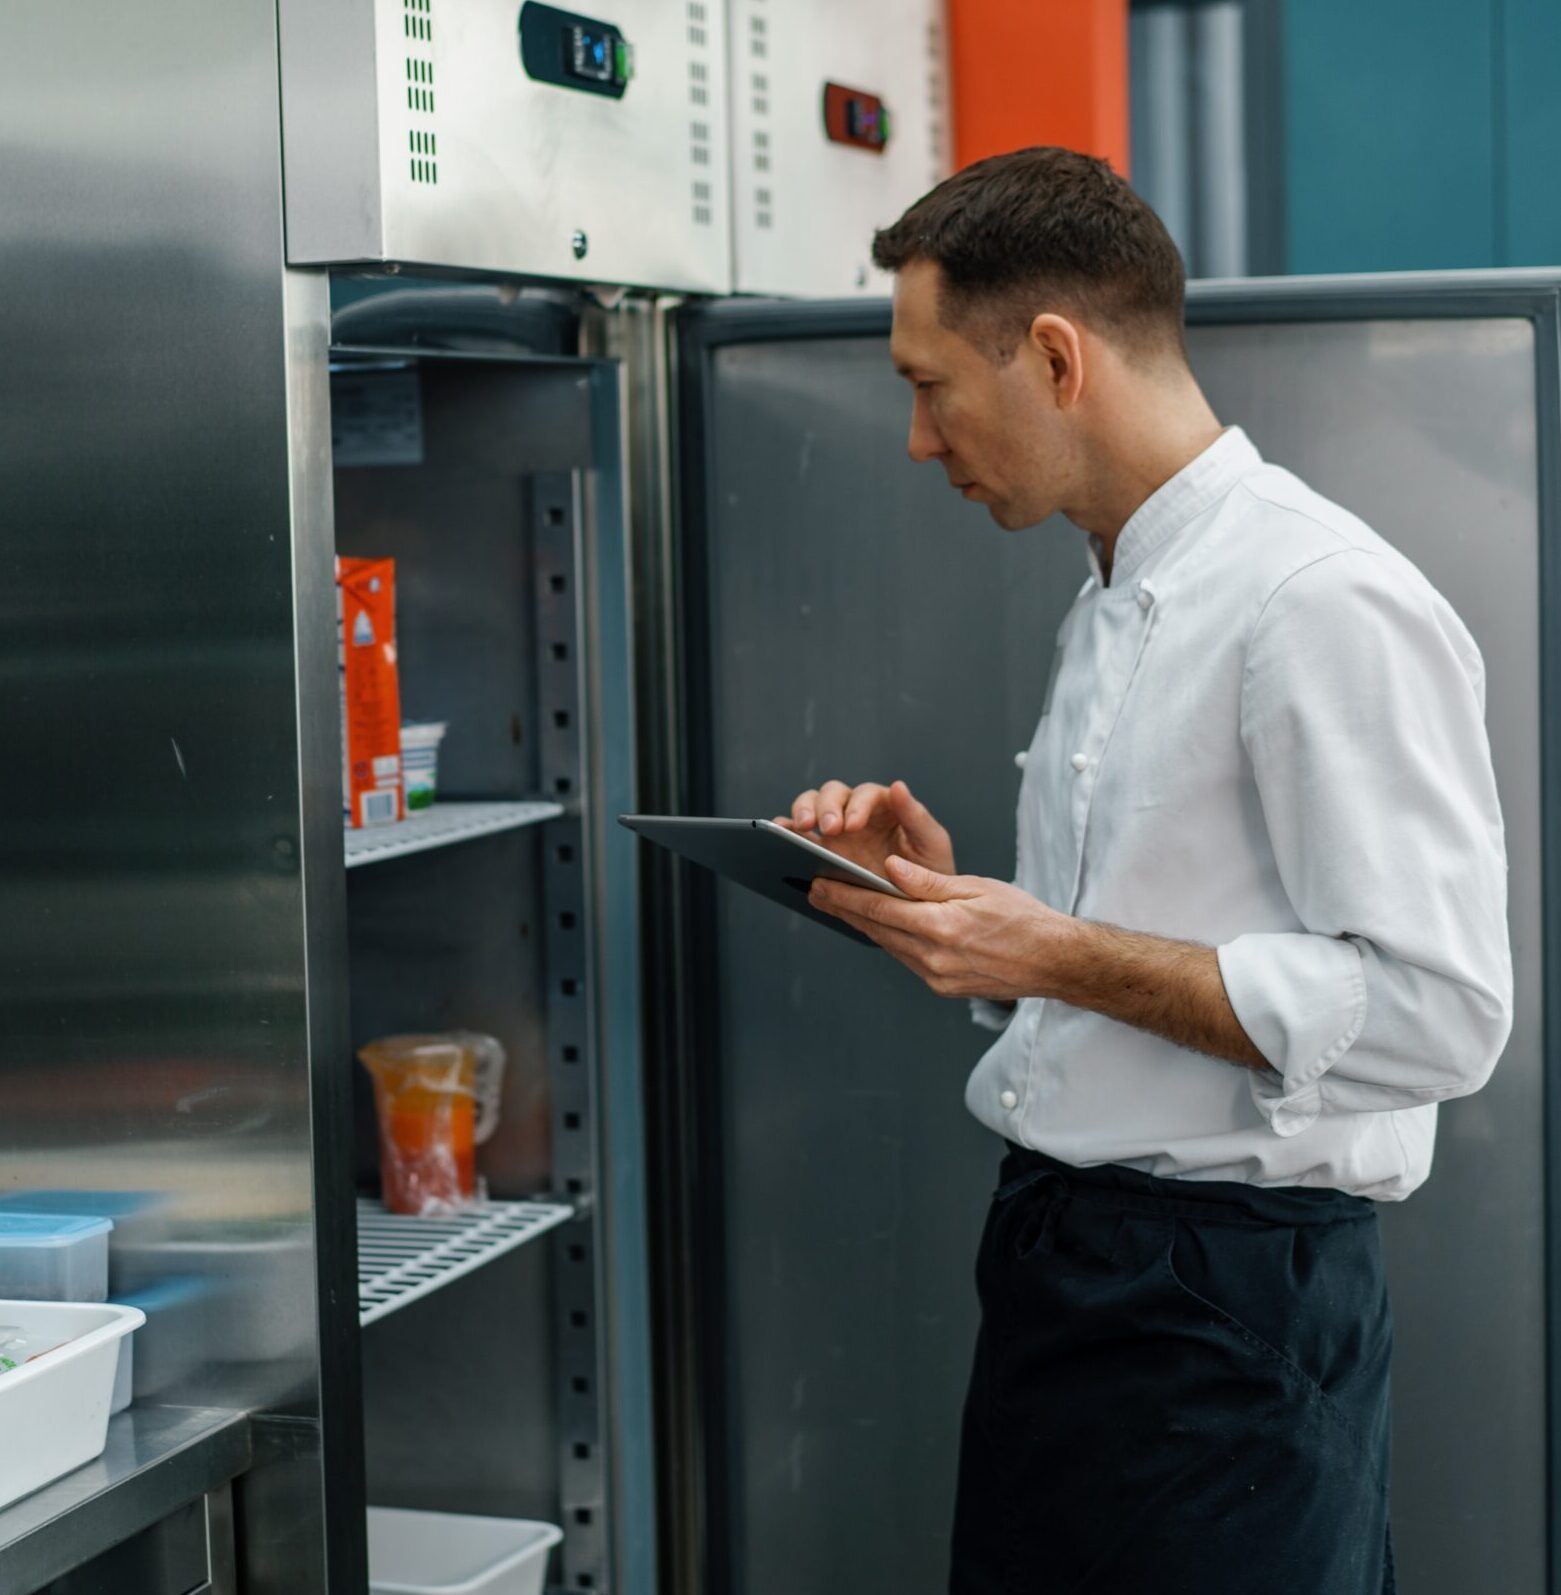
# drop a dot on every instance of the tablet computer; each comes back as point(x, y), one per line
point(764, 857)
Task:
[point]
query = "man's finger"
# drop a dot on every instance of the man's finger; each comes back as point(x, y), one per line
point(927, 885)
point(832, 799)
point(909, 949)
point(804, 810)
point(916, 818)
point(865, 799)
point(877, 907)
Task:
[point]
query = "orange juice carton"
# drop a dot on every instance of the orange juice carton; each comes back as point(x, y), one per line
point(370, 691)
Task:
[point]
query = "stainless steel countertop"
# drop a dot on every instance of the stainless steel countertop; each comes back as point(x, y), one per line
point(157, 1460)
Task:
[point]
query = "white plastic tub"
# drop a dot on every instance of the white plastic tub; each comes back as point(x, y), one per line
point(420, 762)
point(54, 1411)
point(449, 1553)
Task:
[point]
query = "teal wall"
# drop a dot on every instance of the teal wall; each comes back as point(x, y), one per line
point(1531, 133)
point(1422, 134)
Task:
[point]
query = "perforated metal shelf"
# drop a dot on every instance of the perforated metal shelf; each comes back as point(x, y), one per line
point(441, 826)
point(401, 1259)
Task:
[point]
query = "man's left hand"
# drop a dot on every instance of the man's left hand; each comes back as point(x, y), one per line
point(964, 935)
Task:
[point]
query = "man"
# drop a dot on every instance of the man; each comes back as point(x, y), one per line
point(1257, 930)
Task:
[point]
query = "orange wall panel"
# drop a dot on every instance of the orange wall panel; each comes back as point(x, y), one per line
point(1039, 72)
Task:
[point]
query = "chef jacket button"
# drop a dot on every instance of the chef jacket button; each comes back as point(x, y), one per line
point(1021, 759)
point(1010, 1100)
point(1145, 597)
point(1080, 762)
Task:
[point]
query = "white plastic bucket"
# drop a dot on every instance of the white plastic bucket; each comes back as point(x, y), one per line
point(54, 1411)
point(420, 762)
point(450, 1553)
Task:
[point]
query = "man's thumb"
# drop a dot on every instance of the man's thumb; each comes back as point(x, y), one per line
point(916, 880)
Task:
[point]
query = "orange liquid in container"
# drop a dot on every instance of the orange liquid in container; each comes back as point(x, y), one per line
point(425, 1096)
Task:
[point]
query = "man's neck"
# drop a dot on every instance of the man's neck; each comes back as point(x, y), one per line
point(1135, 463)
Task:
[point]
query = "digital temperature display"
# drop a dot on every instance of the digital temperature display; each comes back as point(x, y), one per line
point(574, 52)
point(855, 117)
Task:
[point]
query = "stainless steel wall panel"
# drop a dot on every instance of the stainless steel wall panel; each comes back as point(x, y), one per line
point(804, 208)
point(415, 135)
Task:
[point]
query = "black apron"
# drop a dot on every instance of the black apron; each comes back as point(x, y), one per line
point(1180, 1388)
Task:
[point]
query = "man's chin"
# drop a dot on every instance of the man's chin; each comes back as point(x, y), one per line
point(1014, 519)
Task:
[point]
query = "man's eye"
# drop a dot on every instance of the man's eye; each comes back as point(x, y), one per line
point(925, 387)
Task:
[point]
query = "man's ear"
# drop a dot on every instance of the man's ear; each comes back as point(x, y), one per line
point(1058, 348)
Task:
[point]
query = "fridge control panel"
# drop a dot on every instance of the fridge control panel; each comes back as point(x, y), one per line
point(574, 52)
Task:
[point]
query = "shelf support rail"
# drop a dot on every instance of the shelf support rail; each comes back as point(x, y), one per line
point(555, 503)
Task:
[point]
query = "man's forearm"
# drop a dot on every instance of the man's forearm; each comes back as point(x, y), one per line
point(1169, 988)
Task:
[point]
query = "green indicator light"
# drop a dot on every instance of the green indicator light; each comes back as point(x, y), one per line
point(883, 125)
point(624, 60)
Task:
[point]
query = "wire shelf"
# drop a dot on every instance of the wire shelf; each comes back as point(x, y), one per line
point(401, 1259)
point(441, 826)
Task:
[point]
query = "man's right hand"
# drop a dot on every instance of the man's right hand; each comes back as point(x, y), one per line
point(868, 823)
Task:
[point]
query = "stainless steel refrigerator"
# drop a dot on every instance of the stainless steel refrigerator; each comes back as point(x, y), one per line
point(655, 555)
point(843, 615)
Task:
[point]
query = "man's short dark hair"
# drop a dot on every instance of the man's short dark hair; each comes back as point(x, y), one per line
point(1044, 229)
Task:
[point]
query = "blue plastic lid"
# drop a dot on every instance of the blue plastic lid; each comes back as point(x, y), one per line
point(50, 1229)
point(99, 1204)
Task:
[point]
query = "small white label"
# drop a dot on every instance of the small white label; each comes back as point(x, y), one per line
point(379, 808)
point(387, 764)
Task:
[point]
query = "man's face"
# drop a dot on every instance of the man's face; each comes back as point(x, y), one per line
point(991, 427)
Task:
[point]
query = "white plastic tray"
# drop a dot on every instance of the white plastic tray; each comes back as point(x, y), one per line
point(54, 1412)
point(449, 1553)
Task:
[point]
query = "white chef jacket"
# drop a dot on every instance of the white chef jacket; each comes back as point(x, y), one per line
point(1266, 735)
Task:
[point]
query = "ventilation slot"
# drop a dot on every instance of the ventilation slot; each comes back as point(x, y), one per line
point(424, 156)
point(699, 144)
point(417, 20)
point(417, 17)
point(420, 86)
point(759, 103)
point(937, 111)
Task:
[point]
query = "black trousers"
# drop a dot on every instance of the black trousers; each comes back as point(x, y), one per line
point(1180, 1388)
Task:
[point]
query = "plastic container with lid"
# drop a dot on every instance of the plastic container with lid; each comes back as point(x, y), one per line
point(54, 1256)
point(449, 1553)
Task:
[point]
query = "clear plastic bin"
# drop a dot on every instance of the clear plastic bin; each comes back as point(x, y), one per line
point(449, 1553)
point(54, 1256)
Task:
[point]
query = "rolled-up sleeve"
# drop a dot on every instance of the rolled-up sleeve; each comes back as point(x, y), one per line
point(1363, 716)
point(996, 1016)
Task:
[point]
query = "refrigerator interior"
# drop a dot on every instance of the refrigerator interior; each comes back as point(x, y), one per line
point(484, 1394)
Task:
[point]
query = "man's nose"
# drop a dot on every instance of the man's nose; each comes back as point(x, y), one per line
point(925, 442)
